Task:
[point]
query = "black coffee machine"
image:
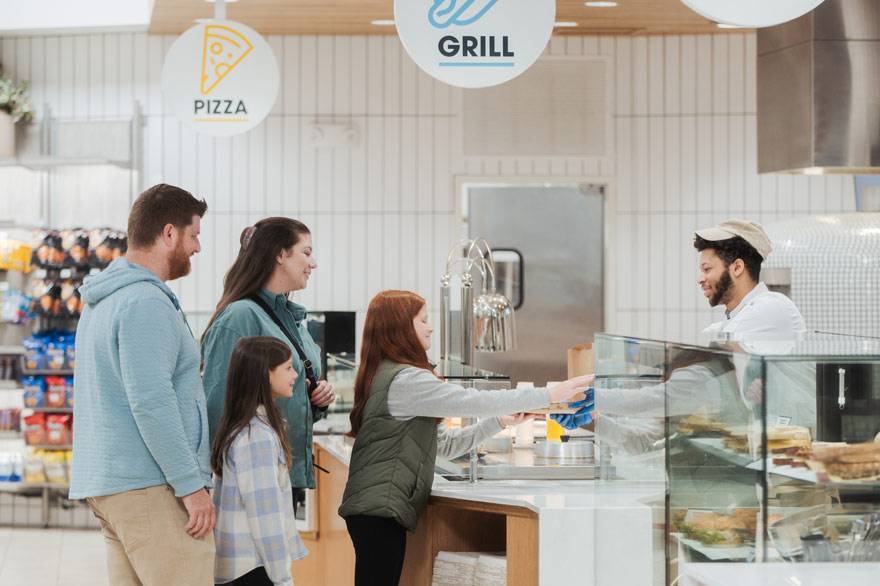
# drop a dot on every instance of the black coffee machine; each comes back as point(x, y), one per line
point(333, 332)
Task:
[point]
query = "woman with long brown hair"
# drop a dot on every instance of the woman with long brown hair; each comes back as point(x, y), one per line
point(275, 259)
point(398, 402)
point(256, 532)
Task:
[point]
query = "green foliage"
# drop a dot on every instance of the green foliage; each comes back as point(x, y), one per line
point(14, 100)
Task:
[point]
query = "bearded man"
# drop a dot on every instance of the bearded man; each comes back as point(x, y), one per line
point(140, 442)
point(731, 255)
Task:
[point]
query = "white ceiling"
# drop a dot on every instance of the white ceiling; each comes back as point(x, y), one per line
point(28, 17)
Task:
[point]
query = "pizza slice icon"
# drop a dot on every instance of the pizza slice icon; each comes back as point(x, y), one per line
point(223, 49)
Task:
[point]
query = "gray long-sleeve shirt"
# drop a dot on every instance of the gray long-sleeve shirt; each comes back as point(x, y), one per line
point(416, 392)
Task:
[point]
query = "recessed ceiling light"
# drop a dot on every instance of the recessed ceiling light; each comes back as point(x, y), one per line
point(382, 22)
point(566, 24)
point(600, 4)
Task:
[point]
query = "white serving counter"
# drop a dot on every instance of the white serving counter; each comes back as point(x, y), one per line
point(780, 574)
point(600, 532)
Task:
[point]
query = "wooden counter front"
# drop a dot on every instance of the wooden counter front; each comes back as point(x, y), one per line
point(331, 556)
point(457, 525)
point(446, 525)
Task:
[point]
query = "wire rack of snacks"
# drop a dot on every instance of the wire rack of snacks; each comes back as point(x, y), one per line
point(36, 415)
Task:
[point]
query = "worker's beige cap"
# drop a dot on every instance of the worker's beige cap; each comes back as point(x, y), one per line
point(751, 232)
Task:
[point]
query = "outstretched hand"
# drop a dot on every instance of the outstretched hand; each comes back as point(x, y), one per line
point(583, 416)
point(515, 419)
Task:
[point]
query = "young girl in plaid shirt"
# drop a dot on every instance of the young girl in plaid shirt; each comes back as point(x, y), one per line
point(255, 534)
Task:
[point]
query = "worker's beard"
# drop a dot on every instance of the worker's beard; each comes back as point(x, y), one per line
point(722, 290)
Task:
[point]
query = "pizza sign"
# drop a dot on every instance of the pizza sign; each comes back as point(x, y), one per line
point(220, 77)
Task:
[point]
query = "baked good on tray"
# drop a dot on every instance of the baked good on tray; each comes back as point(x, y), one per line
point(848, 461)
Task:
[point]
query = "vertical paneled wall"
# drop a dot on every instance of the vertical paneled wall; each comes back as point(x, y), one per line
point(383, 212)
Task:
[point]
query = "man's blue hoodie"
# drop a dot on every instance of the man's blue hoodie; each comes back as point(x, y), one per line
point(139, 409)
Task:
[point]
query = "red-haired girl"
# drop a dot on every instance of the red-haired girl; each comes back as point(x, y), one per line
point(398, 400)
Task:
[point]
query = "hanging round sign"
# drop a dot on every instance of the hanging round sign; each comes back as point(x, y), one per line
point(752, 13)
point(220, 77)
point(474, 43)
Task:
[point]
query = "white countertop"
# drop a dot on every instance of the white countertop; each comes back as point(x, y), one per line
point(337, 445)
point(779, 574)
point(537, 495)
point(583, 524)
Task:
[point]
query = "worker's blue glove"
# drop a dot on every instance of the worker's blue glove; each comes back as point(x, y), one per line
point(580, 417)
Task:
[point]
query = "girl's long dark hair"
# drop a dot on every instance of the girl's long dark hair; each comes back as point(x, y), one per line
point(247, 388)
point(261, 245)
point(388, 334)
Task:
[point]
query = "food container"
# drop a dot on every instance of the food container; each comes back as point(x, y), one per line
point(498, 444)
point(575, 449)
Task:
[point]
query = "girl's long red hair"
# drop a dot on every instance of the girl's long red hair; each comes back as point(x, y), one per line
point(389, 334)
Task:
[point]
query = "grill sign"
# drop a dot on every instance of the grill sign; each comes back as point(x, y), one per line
point(220, 77)
point(474, 43)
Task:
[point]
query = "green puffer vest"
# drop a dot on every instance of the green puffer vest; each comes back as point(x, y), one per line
point(392, 462)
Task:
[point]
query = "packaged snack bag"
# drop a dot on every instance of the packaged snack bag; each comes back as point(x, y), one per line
point(35, 354)
point(56, 392)
point(78, 250)
point(70, 354)
point(73, 303)
point(48, 299)
point(68, 391)
point(56, 467)
point(34, 471)
point(34, 392)
point(103, 252)
point(35, 429)
point(56, 355)
point(50, 252)
point(58, 430)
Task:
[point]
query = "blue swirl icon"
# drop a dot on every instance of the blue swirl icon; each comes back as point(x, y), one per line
point(445, 13)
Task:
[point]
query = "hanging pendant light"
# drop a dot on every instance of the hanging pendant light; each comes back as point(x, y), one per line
point(752, 13)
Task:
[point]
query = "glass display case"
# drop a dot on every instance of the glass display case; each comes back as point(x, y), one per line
point(630, 407)
point(768, 449)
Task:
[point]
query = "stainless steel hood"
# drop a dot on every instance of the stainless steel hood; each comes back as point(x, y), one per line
point(819, 91)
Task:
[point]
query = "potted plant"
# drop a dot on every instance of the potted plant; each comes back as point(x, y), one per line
point(14, 107)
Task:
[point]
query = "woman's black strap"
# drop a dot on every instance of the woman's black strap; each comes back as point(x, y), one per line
point(307, 364)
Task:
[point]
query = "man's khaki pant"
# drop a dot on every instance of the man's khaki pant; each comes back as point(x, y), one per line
point(146, 541)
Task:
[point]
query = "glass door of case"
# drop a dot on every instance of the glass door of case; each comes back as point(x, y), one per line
point(713, 426)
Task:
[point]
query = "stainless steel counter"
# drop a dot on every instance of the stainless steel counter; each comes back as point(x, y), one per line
point(526, 464)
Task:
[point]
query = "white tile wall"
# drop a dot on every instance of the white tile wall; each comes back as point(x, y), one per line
point(382, 213)
point(686, 130)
